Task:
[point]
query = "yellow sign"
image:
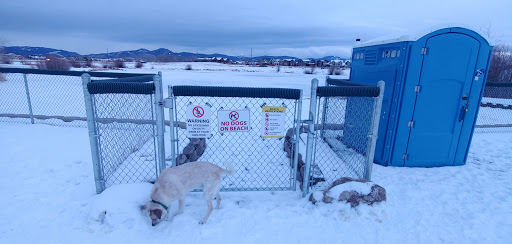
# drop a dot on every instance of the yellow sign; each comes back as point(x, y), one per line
point(273, 121)
point(274, 109)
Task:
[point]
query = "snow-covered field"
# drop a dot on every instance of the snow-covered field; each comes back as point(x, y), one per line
point(48, 191)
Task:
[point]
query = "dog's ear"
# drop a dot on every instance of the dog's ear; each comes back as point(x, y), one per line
point(157, 213)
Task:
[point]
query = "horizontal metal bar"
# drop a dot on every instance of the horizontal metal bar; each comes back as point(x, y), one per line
point(44, 117)
point(71, 118)
point(348, 91)
point(493, 105)
point(130, 121)
point(142, 78)
point(341, 82)
point(218, 91)
point(499, 84)
point(69, 73)
point(258, 189)
point(113, 87)
point(493, 126)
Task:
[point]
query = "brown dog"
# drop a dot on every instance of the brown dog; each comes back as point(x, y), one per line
point(174, 183)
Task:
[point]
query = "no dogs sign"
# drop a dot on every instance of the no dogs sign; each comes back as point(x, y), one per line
point(234, 120)
point(198, 121)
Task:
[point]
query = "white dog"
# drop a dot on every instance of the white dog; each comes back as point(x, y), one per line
point(174, 183)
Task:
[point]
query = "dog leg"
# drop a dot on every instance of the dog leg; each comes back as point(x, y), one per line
point(210, 209)
point(218, 200)
point(181, 204)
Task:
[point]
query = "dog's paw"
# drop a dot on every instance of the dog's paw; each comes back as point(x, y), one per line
point(101, 217)
point(202, 221)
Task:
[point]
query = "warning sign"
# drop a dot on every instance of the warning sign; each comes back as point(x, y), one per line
point(198, 121)
point(273, 121)
point(234, 120)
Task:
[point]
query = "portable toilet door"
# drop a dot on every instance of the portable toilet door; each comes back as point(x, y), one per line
point(442, 94)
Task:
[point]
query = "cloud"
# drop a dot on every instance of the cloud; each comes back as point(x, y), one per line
point(289, 26)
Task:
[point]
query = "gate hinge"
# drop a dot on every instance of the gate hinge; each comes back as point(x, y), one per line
point(417, 88)
point(167, 103)
point(424, 51)
point(404, 157)
point(410, 124)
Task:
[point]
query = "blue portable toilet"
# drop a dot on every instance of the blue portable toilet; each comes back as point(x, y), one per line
point(434, 85)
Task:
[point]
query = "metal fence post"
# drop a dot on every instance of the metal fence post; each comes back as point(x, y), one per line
point(93, 136)
point(374, 130)
point(172, 125)
point(324, 114)
point(311, 136)
point(296, 141)
point(159, 106)
point(28, 98)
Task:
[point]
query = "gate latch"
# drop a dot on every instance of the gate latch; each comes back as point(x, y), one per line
point(168, 103)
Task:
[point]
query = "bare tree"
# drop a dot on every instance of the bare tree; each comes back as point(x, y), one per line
point(310, 71)
point(500, 69)
point(119, 63)
point(53, 62)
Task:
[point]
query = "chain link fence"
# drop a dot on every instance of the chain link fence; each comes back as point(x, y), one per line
point(342, 134)
point(125, 129)
point(495, 114)
point(126, 126)
point(42, 99)
point(45, 96)
point(243, 126)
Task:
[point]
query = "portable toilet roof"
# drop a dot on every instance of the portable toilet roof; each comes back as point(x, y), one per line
point(411, 37)
point(434, 85)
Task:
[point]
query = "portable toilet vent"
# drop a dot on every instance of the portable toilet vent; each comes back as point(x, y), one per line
point(434, 85)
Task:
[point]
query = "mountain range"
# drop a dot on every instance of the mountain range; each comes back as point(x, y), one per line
point(26, 51)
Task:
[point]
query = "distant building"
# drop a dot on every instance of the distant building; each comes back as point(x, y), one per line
point(337, 63)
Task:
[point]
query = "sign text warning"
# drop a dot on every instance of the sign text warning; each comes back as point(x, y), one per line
point(198, 121)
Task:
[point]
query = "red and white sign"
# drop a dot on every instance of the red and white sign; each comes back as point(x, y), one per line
point(234, 120)
point(198, 121)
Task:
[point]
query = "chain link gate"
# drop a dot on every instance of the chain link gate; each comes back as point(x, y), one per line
point(342, 132)
point(237, 131)
point(126, 126)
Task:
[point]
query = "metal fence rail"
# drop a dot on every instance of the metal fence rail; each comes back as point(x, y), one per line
point(342, 132)
point(257, 154)
point(46, 96)
point(125, 121)
point(495, 114)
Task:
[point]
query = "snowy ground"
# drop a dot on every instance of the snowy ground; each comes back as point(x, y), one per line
point(48, 192)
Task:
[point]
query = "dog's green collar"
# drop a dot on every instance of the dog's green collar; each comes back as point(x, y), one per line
point(161, 204)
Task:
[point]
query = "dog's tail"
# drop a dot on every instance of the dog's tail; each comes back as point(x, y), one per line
point(230, 170)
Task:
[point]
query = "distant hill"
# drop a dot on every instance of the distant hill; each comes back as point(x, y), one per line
point(274, 57)
point(38, 51)
point(131, 54)
point(331, 58)
point(136, 54)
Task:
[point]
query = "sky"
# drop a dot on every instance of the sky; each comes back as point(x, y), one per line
point(296, 28)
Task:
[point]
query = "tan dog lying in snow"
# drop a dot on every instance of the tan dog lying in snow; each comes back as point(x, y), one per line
point(174, 183)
